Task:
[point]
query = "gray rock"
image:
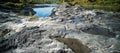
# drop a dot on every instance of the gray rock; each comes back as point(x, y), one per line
point(6, 17)
point(26, 12)
point(60, 51)
point(96, 30)
point(33, 38)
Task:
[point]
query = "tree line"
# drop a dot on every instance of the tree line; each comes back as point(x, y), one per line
point(93, 2)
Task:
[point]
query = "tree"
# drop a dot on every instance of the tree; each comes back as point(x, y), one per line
point(25, 1)
point(92, 0)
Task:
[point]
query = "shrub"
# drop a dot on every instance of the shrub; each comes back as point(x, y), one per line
point(13, 4)
point(34, 18)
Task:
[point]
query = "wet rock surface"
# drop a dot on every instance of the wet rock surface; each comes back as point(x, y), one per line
point(8, 17)
point(75, 45)
point(96, 31)
point(93, 29)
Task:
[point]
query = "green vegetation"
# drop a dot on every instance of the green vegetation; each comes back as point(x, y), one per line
point(107, 8)
point(72, 43)
point(95, 2)
point(80, 2)
point(13, 4)
point(33, 18)
point(25, 1)
point(30, 14)
point(109, 5)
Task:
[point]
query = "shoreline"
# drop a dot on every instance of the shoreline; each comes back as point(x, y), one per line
point(98, 32)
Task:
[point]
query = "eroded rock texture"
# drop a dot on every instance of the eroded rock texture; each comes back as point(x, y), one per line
point(67, 30)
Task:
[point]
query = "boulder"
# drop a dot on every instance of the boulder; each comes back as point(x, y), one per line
point(27, 12)
point(96, 30)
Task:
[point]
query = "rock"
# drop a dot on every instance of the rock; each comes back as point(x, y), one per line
point(12, 14)
point(61, 51)
point(96, 30)
point(4, 31)
point(6, 7)
point(75, 45)
point(18, 21)
point(60, 20)
point(34, 39)
point(97, 33)
point(27, 12)
point(6, 17)
point(7, 44)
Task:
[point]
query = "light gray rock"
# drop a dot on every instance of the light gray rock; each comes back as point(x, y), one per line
point(96, 30)
point(32, 40)
point(99, 32)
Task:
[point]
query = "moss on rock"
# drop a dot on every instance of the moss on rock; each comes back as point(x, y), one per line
point(33, 18)
point(72, 43)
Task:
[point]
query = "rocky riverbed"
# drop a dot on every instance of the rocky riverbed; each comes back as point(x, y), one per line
point(69, 29)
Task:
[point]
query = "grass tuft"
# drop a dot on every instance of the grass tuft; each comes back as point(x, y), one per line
point(34, 18)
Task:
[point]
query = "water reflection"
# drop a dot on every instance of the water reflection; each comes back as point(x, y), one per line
point(43, 12)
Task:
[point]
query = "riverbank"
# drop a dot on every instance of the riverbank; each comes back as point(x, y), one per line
point(105, 8)
point(90, 4)
point(67, 30)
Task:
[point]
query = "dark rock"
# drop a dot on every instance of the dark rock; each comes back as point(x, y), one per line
point(28, 35)
point(74, 44)
point(67, 5)
point(18, 21)
point(99, 13)
point(27, 12)
point(5, 7)
point(21, 39)
point(96, 30)
point(4, 31)
point(4, 16)
point(7, 44)
point(109, 20)
point(116, 52)
point(61, 51)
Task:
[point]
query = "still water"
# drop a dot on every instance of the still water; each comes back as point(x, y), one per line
point(44, 10)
